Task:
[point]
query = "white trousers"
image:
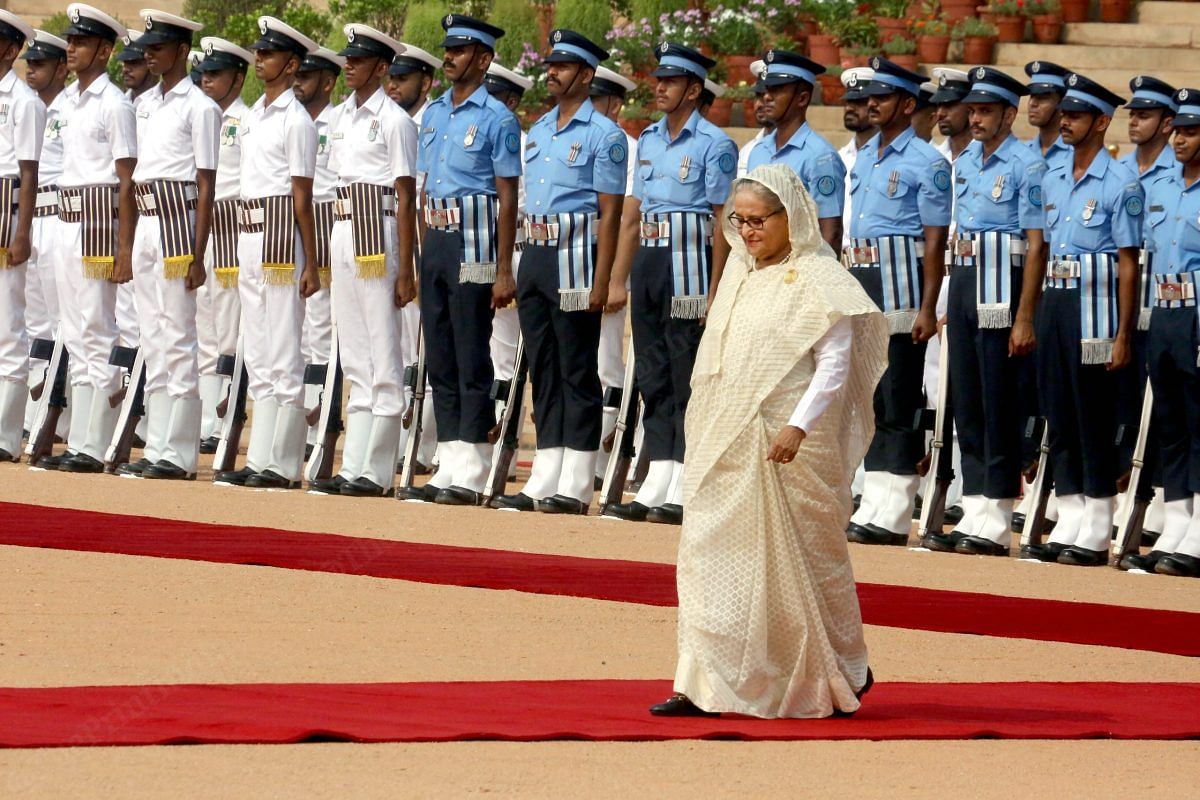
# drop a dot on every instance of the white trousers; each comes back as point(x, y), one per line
point(318, 327)
point(611, 356)
point(88, 309)
point(41, 294)
point(218, 314)
point(369, 330)
point(14, 342)
point(166, 318)
point(506, 329)
point(272, 324)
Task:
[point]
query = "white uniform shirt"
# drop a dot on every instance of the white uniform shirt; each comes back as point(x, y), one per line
point(229, 167)
point(630, 163)
point(22, 124)
point(100, 130)
point(178, 131)
point(50, 163)
point(279, 142)
point(849, 155)
point(373, 143)
point(139, 99)
point(416, 118)
point(744, 154)
point(325, 182)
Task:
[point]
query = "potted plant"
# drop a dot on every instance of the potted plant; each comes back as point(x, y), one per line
point(933, 40)
point(1046, 16)
point(957, 10)
point(889, 16)
point(1115, 10)
point(631, 47)
point(1009, 19)
point(742, 96)
point(978, 38)
point(635, 119)
point(858, 38)
point(832, 88)
point(903, 51)
point(737, 38)
point(823, 46)
point(1075, 10)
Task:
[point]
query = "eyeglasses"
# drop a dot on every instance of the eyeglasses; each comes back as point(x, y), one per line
point(753, 223)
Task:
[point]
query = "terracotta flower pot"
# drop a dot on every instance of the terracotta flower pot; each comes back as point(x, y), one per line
point(738, 68)
point(1074, 10)
point(955, 10)
point(1047, 28)
point(748, 120)
point(978, 49)
point(1115, 10)
point(1010, 29)
point(832, 90)
point(890, 28)
point(906, 60)
point(822, 48)
point(933, 49)
point(720, 113)
point(849, 59)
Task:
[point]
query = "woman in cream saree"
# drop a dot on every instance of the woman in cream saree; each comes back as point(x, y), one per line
point(769, 623)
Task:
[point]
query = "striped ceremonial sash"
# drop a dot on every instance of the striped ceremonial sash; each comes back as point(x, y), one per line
point(8, 211)
point(575, 237)
point(1098, 313)
point(224, 241)
point(476, 218)
point(47, 202)
point(899, 260)
point(367, 205)
point(995, 254)
point(1146, 289)
point(95, 209)
point(689, 235)
point(171, 201)
point(323, 215)
point(278, 227)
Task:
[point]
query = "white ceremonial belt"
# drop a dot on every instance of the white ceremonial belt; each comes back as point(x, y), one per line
point(251, 216)
point(146, 203)
point(541, 231)
point(1062, 269)
point(342, 207)
point(863, 255)
point(656, 230)
point(47, 198)
point(1174, 292)
point(442, 217)
point(72, 203)
point(968, 246)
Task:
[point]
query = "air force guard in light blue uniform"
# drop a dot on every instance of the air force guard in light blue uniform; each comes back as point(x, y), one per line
point(1047, 85)
point(995, 280)
point(685, 169)
point(900, 212)
point(1173, 232)
point(470, 156)
point(789, 83)
point(574, 187)
point(1093, 209)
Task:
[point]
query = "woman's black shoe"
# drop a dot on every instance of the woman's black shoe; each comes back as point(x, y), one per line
point(678, 705)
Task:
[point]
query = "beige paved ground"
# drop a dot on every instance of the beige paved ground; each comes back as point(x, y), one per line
point(87, 618)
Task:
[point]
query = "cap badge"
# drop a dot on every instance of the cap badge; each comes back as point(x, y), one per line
point(942, 81)
point(852, 80)
point(664, 47)
point(74, 15)
point(980, 73)
point(208, 51)
point(1036, 67)
point(770, 56)
point(262, 27)
point(558, 36)
point(449, 20)
point(350, 35)
point(1074, 79)
point(875, 62)
point(126, 40)
point(1138, 81)
point(149, 23)
point(1183, 94)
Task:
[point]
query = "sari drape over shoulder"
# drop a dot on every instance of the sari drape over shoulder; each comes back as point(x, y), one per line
point(769, 623)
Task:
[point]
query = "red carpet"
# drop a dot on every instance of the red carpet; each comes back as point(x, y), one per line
point(591, 710)
point(915, 608)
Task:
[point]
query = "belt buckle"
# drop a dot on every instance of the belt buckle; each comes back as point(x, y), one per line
point(145, 202)
point(341, 207)
point(651, 230)
point(964, 248)
point(439, 217)
point(543, 231)
point(864, 255)
point(1171, 291)
point(1062, 270)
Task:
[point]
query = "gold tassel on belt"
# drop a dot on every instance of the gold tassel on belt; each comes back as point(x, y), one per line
point(98, 268)
point(227, 277)
point(325, 275)
point(175, 268)
point(368, 267)
point(279, 274)
point(4, 262)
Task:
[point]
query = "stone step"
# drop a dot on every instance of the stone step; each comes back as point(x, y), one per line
point(1162, 12)
point(1117, 80)
point(1102, 34)
point(1082, 58)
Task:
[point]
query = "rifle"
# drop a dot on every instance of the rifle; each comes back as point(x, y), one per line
point(617, 473)
point(1137, 499)
point(513, 391)
point(329, 422)
point(1042, 485)
point(941, 471)
point(51, 401)
point(132, 406)
point(234, 418)
point(414, 379)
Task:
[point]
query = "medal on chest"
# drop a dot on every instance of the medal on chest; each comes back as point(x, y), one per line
point(322, 144)
point(229, 133)
point(54, 129)
point(574, 152)
point(893, 183)
point(469, 139)
point(685, 166)
point(3, 113)
point(373, 131)
point(1089, 208)
point(998, 188)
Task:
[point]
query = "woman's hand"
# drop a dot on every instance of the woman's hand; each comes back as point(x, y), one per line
point(786, 443)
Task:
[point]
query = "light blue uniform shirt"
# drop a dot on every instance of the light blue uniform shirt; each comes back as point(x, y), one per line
point(812, 158)
point(1173, 223)
point(463, 150)
point(1004, 194)
point(1058, 151)
point(692, 173)
point(1162, 166)
point(566, 169)
point(900, 191)
point(1098, 214)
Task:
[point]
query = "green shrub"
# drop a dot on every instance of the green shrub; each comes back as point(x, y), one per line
point(591, 18)
point(653, 9)
point(423, 26)
point(518, 18)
